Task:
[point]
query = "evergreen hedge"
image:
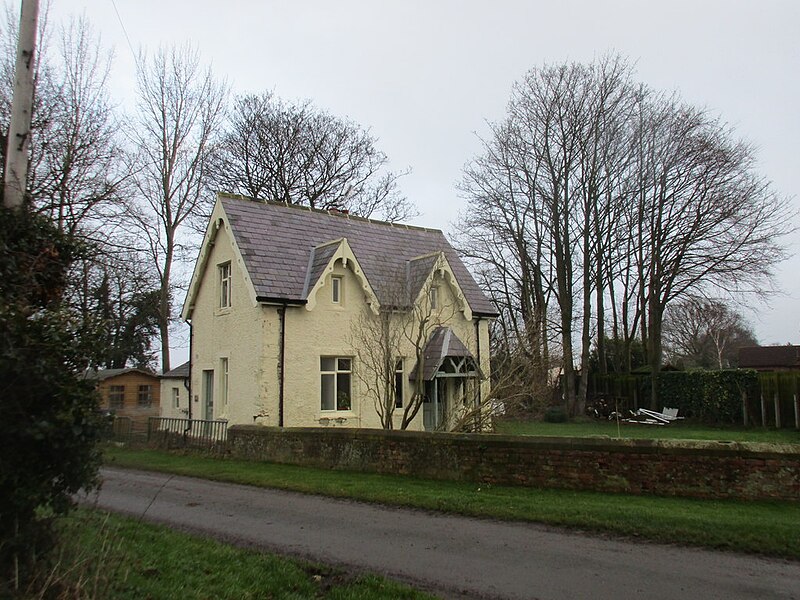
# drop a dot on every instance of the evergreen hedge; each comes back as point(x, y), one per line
point(712, 397)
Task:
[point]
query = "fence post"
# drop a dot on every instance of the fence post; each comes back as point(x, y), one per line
point(776, 399)
point(763, 410)
point(744, 407)
point(796, 412)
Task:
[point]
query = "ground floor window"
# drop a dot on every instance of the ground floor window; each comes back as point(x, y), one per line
point(145, 395)
point(398, 383)
point(176, 397)
point(116, 396)
point(335, 382)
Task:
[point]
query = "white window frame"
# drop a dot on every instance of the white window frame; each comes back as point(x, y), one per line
point(399, 382)
point(433, 295)
point(176, 397)
point(337, 374)
point(223, 383)
point(337, 286)
point(225, 284)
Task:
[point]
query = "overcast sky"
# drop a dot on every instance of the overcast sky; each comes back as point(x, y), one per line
point(426, 75)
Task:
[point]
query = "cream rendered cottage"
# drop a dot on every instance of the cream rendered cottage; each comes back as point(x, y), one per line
point(289, 307)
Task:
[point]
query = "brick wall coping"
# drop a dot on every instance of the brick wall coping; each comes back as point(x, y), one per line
point(758, 450)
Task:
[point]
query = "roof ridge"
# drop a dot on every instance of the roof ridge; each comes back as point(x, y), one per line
point(329, 212)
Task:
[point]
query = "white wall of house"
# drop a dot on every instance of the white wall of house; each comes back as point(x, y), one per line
point(246, 337)
point(244, 334)
point(174, 398)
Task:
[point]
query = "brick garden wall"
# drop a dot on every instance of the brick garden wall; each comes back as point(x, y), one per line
point(662, 467)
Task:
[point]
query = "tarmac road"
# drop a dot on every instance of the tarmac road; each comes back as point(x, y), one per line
point(455, 557)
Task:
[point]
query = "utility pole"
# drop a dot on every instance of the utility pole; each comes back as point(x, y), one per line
point(19, 131)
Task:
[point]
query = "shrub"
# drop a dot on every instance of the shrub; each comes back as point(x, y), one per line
point(555, 414)
point(49, 424)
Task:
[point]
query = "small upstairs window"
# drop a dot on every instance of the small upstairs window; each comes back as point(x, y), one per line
point(336, 289)
point(225, 285)
point(434, 297)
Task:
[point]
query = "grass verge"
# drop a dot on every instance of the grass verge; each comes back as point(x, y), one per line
point(106, 556)
point(673, 431)
point(756, 527)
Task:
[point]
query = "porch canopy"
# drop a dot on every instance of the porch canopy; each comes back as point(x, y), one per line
point(446, 356)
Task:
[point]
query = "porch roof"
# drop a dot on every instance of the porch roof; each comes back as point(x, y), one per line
point(443, 344)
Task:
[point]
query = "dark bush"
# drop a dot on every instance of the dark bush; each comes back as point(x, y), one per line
point(713, 397)
point(555, 414)
point(49, 424)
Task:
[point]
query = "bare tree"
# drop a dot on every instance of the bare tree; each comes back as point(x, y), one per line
point(600, 194)
point(708, 219)
point(707, 333)
point(299, 154)
point(180, 109)
point(77, 174)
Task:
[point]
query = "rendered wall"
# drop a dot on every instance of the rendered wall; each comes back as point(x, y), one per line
point(246, 334)
point(658, 467)
point(329, 329)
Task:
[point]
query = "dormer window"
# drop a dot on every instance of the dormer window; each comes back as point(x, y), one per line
point(336, 290)
point(225, 285)
point(433, 294)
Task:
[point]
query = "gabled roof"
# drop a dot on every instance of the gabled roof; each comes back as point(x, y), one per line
point(418, 270)
point(769, 357)
point(443, 343)
point(284, 248)
point(104, 374)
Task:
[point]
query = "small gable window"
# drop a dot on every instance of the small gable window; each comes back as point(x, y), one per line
point(434, 297)
point(225, 285)
point(336, 290)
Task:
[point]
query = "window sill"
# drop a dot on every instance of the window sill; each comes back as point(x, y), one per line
point(336, 414)
point(222, 311)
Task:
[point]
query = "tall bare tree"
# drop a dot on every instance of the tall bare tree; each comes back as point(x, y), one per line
point(595, 193)
point(299, 154)
point(708, 219)
point(77, 174)
point(180, 110)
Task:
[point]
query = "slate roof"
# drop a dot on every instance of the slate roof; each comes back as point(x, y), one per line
point(443, 343)
point(769, 357)
point(179, 372)
point(280, 247)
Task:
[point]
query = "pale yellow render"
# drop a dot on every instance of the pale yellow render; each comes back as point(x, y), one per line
point(247, 335)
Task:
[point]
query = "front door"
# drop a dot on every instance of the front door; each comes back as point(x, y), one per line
point(434, 407)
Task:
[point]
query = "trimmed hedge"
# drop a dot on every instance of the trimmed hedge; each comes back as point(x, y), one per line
point(713, 397)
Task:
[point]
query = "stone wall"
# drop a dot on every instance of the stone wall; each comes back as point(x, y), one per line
point(661, 467)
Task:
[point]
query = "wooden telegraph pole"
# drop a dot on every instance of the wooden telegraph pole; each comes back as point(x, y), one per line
point(19, 131)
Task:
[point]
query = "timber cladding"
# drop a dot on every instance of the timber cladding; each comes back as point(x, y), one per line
point(660, 467)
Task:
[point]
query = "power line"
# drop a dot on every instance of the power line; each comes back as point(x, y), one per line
point(125, 31)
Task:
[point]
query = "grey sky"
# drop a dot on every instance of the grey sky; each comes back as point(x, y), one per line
point(425, 75)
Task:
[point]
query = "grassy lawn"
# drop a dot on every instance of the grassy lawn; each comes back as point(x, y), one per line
point(675, 431)
point(761, 527)
point(106, 556)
